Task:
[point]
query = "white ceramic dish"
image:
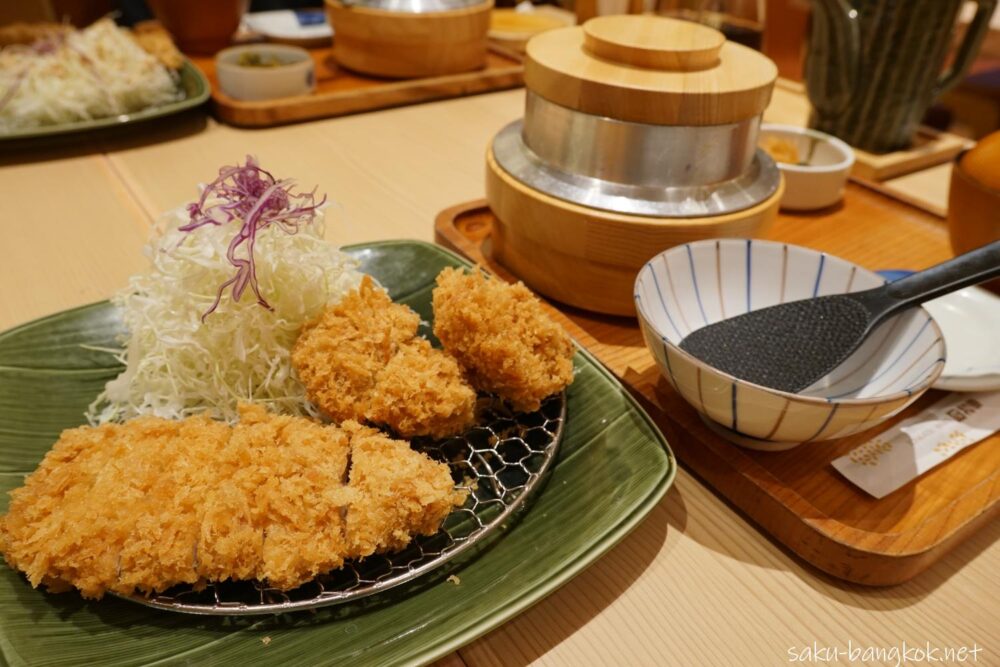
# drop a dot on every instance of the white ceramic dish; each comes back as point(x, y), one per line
point(300, 28)
point(970, 321)
point(296, 76)
point(820, 181)
point(693, 285)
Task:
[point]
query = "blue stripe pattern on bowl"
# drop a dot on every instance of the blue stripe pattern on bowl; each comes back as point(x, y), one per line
point(689, 286)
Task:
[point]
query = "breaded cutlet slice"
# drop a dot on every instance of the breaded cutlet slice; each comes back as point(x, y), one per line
point(362, 360)
point(157, 42)
point(295, 476)
point(117, 506)
point(167, 469)
point(230, 543)
point(401, 493)
point(153, 503)
point(502, 337)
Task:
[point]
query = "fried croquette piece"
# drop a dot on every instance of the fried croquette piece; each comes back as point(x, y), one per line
point(421, 391)
point(338, 354)
point(153, 503)
point(362, 360)
point(502, 337)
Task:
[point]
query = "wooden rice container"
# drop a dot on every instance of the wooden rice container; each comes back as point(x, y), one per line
point(645, 71)
point(409, 45)
point(589, 258)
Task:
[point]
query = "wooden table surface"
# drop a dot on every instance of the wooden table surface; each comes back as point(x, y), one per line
point(695, 584)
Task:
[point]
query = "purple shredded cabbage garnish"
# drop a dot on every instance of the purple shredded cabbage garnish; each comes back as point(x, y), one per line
point(254, 197)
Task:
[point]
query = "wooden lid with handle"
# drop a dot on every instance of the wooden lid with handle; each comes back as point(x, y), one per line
point(650, 69)
point(665, 45)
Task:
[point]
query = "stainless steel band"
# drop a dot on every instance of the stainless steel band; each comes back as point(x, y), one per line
point(757, 183)
point(638, 154)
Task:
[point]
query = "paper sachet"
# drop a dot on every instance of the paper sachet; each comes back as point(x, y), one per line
point(915, 445)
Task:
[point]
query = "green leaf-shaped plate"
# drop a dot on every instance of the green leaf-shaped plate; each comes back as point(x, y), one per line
point(613, 467)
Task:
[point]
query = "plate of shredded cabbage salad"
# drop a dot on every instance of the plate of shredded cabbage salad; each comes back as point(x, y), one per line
point(195, 345)
point(56, 80)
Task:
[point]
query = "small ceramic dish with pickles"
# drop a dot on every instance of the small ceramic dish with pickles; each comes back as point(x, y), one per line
point(815, 165)
point(696, 284)
point(265, 71)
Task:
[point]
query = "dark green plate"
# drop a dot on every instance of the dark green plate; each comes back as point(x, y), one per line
point(613, 467)
point(192, 81)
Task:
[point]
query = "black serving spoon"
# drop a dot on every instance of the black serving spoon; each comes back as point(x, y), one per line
point(792, 345)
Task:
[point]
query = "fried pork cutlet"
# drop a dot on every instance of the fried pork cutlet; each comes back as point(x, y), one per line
point(502, 337)
point(28, 33)
point(402, 494)
point(362, 360)
point(153, 503)
point(157, 42)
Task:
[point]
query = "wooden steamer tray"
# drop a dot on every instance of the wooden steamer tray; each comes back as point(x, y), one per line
point(797, 496)
point(340, 92)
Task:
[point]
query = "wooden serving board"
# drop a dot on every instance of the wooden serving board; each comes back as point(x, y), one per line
point(797, 496)
point(340, 92)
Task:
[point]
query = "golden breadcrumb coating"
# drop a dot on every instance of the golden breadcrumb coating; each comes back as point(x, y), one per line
point(338, 354)
point(152, 503)
point(502, 337)
point(422, 391)
point(28, 33)
point(103, 506)
point(157, 42)
point(400, 496)
point(294, 477)
point(362, 360)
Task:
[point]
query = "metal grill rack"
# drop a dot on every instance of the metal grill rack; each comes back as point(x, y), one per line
point(502, 462)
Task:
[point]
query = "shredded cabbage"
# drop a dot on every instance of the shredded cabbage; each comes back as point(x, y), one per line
point(177, 364)
point(96, 72)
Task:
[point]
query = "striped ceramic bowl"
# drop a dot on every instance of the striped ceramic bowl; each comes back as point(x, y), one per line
point(693, 285)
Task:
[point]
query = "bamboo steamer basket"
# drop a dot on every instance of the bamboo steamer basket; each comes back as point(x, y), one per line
point(410, 38)
point(640, 133)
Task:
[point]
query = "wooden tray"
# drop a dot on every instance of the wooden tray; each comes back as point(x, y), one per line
point(340, 92)
point(797, 496)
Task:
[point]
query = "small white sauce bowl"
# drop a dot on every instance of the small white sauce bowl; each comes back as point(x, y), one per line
point(297, 76)
point(820, 181)
point(697, 284)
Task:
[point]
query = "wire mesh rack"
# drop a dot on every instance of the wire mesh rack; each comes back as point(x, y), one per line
point(502, 462)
